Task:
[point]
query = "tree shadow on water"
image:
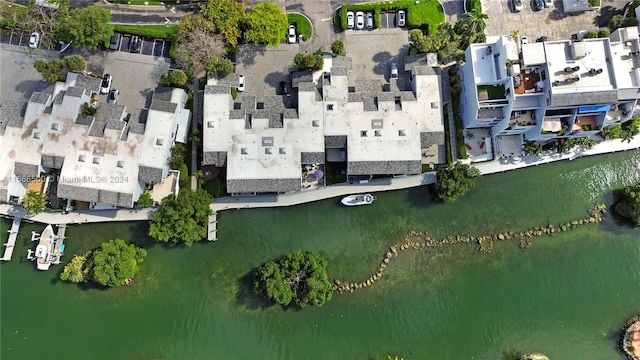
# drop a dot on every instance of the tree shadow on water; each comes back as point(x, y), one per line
point(246, 297)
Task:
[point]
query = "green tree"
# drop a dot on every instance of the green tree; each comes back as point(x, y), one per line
point(591, 35)
point(34, 202)
point(114, 262)
point(338, 48)
point(219, 67)
point(300, 277)
point(76, 270)
point(86, 27)
point(616, 22)
point(266, 24)
point(74, 63)
point(176, 78)
point(50, 70)
point(455, 180)
point(532, 148)
point(313, 61)
point(145, 200)
point(178, 152)
point(474, 20)
point(226, 15)
point(613, 132)
point(628, 203)
point(182, 219)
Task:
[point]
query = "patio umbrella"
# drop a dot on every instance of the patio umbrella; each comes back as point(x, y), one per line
point(318, 174)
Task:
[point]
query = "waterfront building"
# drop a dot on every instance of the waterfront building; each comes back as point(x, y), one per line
point(108, 158)
point(541, 91)
point(374, 128)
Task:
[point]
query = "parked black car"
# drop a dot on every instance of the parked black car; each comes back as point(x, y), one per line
point(538, 5)
point(134, 45)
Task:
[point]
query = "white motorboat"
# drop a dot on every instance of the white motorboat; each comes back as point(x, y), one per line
point(362, 199)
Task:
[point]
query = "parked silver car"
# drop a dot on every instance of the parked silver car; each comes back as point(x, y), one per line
point(359, 20)
point(517, 5)
point(350, 20)
point(402, 18)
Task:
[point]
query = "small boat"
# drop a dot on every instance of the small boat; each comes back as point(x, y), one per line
point(49, 250)
point(353, 200)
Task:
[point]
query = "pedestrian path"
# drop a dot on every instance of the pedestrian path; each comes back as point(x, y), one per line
point(13, 236)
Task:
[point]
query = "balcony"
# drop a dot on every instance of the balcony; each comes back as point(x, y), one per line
point(491, 92)
point(585, 123)
point(527, 82)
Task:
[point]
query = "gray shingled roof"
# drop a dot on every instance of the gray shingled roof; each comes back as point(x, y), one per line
point(263, 185)
point(384, 167)
point(275, 120)
point(78, 193)
point(386, 96)
point(237, 114)
point(338, 71)
point(12, 114)
point(92, 84)
point(368, 87)
point(414, 60)
point(215, 158)
point(217, 89)
point(4, 195)
point(335, 141)
point(274, 102)
point(312, 158)
point(108, 112)
point(115, 124)
point(431, 138)
point(52, 161)
point(138, 116)
point(136, 128)
point(25, 170)
point(149, 175)
point(290, 113)
point(584, 98)
point(248, 103)
point(369, 104)
point(97, 128)
point(39, 97)
point(59, 97)
point(424, 70)
point(84, 120)
point(342, 61)
point(163, 93)
point(74, 91)
point(307, 86)
point(165, 106)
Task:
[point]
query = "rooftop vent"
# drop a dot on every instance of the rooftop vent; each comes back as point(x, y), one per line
point(595, 71)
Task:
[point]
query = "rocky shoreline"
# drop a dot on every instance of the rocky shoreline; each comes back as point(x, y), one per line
point(417, 240)
point(631, 338)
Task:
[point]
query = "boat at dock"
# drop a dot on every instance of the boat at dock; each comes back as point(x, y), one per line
point(360, 199)
point(49, 249)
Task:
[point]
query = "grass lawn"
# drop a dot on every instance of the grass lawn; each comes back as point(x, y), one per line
point(153, 31)
point(303, 26)
point(419, 14)
point(494, 92)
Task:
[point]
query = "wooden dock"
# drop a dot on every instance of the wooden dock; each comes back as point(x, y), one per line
point(213, 227)
point(13, 236)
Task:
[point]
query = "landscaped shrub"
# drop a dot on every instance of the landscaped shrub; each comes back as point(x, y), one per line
point(591, 35)
point(603, 33)
point(338, 48)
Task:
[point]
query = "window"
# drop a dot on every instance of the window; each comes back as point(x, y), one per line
point(159, 142)
point(209, 124)
point(36, 135)
point(55, 126)
point(96, 160)
point(267, 151)
point(283, 151)
point(82, 158)
point(329, 107)
point(244, 151)
point(120, 164)
point(267, 141)
point(363, 133)
point(315, 123)
point(402, 132)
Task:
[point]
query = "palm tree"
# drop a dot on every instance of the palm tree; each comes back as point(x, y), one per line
point(199, 175)
point(475, 20)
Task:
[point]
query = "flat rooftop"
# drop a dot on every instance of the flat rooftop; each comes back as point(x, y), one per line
point(484, 67)
point(577, 67)
point(625, 71)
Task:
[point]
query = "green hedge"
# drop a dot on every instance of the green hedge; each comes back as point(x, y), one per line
point(424, 13)
point(303, 26)
point(151, 31)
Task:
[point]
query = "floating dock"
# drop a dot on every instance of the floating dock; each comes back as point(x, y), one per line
point(13, 236)
point(213, 227)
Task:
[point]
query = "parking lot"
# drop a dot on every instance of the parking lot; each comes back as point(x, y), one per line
point(135, 76)
point(552, 22)
point(374, 62)
point(148, 46)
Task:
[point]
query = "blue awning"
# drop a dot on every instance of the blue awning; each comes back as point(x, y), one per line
point(593, 108)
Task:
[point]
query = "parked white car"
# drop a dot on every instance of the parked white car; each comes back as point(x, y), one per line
point(241, 83)
point(523, 41)
point(292, 38)
point(548, 3)
point(34, 40)
point(402, 18)
point(517, 5)
point(113, 96)
point(106, 84)
point(350, 20)
point(394, 71)
point(359, 20)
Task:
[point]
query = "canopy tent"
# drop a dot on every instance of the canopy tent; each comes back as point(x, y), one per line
point(553, 125)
